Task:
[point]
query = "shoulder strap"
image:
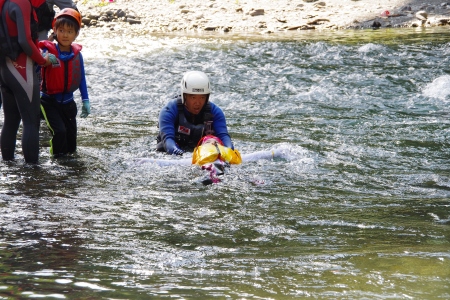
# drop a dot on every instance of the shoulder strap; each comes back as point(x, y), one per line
point(180, 108)
point(208, 120)
point(207, 115)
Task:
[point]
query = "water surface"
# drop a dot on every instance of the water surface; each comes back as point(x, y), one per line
point(356, 208)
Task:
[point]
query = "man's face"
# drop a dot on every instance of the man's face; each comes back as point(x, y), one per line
point(194, 103)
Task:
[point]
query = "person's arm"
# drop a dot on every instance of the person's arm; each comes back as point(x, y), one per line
point(86, 105)
point(220, 126)
point(21, 15)
point(83, 84)
point(63, 4)
point(167, 119)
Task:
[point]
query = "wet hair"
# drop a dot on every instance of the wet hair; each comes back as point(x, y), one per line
point(66, 20)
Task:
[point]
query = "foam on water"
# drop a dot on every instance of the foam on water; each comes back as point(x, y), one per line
point(438, 88)
point(349, 198)
point(372, 48)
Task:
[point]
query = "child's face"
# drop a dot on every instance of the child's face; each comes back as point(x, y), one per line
point(65, 35)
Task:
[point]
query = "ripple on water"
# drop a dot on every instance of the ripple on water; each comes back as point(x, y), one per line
point(354, 206)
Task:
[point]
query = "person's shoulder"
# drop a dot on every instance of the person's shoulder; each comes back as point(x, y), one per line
point(170, 105)
point(46, 44)
point(172, 102)
point(214, 106)
point(76, 47)
point(19, 4)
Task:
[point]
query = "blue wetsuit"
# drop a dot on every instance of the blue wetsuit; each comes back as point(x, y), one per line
point(172, 136)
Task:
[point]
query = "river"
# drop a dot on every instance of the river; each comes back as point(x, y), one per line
point(357, 207)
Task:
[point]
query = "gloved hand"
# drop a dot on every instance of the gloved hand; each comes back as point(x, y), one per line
point(52, 59)
point(177, 151)
point(172, 147)
point(86, 109)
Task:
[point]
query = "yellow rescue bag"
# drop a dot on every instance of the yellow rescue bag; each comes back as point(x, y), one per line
point(208, 153)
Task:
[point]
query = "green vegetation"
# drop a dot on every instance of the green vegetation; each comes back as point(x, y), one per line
point(98, 3)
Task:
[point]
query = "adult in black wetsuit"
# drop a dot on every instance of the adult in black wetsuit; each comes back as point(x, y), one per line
point(19, 82)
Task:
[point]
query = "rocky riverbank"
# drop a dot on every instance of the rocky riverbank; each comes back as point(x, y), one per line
point(258, 16)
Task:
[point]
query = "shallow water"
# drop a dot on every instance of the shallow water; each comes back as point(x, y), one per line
point(357, 207)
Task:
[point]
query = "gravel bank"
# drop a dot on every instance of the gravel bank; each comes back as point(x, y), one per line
point(260, 16)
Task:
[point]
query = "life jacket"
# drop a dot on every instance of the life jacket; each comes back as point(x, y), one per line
point(63, 77)
point(44, 14)
point(188, 134)
point(9, 45)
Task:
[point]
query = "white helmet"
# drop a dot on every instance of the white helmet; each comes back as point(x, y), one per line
point(195, 83)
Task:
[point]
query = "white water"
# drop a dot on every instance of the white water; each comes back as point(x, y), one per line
point(355, 204)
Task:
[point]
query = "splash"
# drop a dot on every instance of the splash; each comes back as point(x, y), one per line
point(280, 151)
point(371, 47)
point(439, 88)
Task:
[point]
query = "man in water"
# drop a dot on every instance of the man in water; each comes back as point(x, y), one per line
point(190, 116)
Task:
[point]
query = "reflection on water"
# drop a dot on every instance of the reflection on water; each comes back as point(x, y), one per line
point(357, 206)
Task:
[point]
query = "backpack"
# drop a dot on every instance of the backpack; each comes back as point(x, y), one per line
point(44, 15)
point(9, 46)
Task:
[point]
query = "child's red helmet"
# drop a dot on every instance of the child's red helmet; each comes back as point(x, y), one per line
point(209, 139)
point(69, 12)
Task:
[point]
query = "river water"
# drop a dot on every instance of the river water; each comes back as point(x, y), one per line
point(357, 207)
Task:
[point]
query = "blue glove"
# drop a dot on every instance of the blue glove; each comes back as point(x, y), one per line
point(177, 151)
point(86, 109)
point(172, 147)
point(51, 57)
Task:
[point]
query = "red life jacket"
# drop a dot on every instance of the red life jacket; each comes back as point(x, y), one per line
point(63, 77)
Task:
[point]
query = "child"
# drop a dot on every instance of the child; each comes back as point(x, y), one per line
point(60, 80)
